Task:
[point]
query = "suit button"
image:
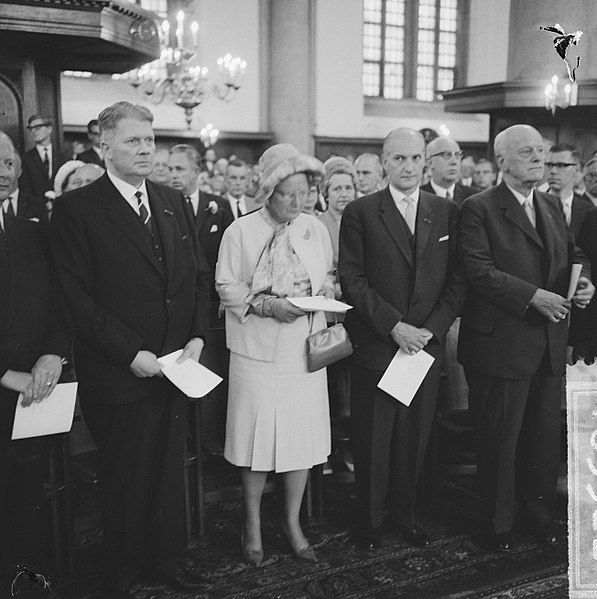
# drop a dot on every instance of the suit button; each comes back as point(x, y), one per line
point(168, 301)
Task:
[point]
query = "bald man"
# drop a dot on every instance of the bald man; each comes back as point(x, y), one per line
point(517, 252)
point(398, 267)
point(444, 158)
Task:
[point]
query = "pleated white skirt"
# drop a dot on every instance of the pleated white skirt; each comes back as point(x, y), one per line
point(278, 413)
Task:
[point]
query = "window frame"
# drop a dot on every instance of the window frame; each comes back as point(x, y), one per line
point(411, 40)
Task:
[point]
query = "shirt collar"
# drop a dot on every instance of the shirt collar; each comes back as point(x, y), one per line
point(441, 191)
point(520, 198)
point(568, 201)
point(398, 195)
point(127, 191)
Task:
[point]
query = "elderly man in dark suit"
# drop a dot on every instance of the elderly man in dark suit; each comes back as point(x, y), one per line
point(93, 155)
point(443, 161)
point(398, 267)
point(137, 285)
point(563, 165)
point(40, 163)
point(34, 338)
point(517, 253)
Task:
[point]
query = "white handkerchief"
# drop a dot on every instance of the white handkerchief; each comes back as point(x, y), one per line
point(444, 238)
point(213, 229)
point(404, 375)
point(48, 417)
point(192, 378)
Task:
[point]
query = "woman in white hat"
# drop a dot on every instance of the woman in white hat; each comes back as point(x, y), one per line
point(278, 414)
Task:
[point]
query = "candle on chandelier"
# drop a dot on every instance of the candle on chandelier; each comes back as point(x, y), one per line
point(548, 90)
point(166, 32)
point(180, 28)
point(194, 32)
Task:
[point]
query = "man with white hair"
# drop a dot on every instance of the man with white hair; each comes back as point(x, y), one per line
point(517, 252)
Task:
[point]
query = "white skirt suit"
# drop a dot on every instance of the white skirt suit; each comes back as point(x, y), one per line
point(278, 413)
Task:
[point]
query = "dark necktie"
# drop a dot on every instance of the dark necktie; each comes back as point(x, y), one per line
point(46, 162)
point(448, 195)
point(8, 208)
point(190, 205)
point(143, 212)
point(239, 211)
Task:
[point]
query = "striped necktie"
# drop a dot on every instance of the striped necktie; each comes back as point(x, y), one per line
point(143, 212)
point(46, 163)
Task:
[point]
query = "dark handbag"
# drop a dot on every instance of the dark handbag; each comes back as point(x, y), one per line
point(327, 346)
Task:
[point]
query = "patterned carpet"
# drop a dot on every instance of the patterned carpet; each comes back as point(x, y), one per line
point(455, 565)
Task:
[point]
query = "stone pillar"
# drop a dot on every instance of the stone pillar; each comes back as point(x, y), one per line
point(290, 77)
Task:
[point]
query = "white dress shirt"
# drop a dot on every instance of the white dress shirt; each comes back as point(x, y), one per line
point(42, 150)
point(398, 197)
point(128, 191)
point(194, 201)
point(13, 198)
point(522, 201)
point(235, 203)
point(442, 191)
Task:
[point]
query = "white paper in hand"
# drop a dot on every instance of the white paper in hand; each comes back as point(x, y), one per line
point(192, 378)
point(48, 417)
point(404, 375)
point(318, 303)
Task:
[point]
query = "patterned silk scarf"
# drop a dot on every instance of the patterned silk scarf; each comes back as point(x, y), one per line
point(275, 271)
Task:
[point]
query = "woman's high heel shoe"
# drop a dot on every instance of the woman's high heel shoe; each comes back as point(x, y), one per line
point(307, 553)
point(253, 557)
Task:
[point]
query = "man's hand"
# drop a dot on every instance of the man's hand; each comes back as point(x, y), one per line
point(584, 293)
point(284, 311)
point(21, 382)
point(145, 365)
point(409, 338)
point(46, 373)
point(326, 292)
point(192, 350)
point(553, 306)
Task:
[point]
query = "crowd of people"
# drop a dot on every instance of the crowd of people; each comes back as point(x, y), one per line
point(120, 256)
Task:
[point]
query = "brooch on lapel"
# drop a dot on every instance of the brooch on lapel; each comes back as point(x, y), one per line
point(307, 234)
point(212, 207)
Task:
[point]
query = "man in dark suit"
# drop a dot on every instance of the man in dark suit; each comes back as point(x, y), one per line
point(34, 337)
point(398, 267)
point(517, 252)
point(237, 180)
point(41, 162)
point(443, 162)
point(137, 285)
point(563, 165)
point(211, 214)
point(23, 204)
point(94, 154)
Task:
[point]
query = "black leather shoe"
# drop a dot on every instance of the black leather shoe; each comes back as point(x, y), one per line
point(502, 542)
point(415, 535)
point(185, 581)
point(368, 539)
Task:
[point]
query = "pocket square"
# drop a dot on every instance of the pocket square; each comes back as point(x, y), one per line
point(444, 238)
point(213, 229)
point(34, 219)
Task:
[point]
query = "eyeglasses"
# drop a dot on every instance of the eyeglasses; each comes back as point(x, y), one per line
point(288, 197)
point(448, 155)
point(560, 164)
point(33, 127)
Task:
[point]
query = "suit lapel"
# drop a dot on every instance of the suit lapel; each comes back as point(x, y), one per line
point(550, 233)
point(201, 211)
point(515, 213)
point(424, 225)
point(394, 223)
point(124, 217)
